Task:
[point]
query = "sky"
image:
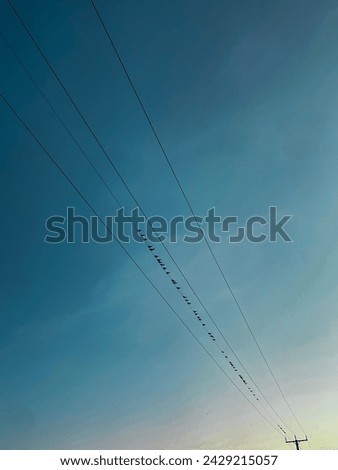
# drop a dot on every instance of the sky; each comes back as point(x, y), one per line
point(244, 97)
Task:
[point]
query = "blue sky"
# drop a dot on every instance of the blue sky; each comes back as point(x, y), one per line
point(243, 95)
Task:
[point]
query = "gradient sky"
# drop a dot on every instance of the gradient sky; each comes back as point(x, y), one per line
point(244, 97)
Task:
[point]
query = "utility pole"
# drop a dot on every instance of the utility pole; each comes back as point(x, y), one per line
point(296, 441)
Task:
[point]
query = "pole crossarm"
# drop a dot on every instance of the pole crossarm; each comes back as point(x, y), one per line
point(296, 441)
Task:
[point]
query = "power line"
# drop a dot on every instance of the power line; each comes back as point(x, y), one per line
point(131, 194)
point(154, 131)
point(126, 186)
point(85, 200)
